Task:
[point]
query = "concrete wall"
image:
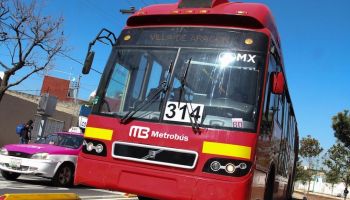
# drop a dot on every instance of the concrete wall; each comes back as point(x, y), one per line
point(16, 108)
point(321, 187)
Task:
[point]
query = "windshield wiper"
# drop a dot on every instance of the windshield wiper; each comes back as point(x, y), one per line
point(183, 80)
point(162, 88)
point(194, 124)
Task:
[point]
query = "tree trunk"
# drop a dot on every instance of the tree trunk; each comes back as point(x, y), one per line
point(1, 94)
point(3, 84)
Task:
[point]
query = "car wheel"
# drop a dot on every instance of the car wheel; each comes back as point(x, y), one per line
point(10, 175)
point(64, 176)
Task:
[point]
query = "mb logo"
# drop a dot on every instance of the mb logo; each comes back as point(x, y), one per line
point(139, 132)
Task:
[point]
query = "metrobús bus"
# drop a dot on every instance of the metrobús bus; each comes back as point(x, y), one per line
point(193, 104)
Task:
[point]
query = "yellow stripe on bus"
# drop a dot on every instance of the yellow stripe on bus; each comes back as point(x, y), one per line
point(226, 149)
point(98, 133)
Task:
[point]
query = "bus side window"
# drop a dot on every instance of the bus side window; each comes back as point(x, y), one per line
point(279, 115)
point(270, 100)
point(280, 98)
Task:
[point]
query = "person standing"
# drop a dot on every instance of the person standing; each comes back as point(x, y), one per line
point(26, 133)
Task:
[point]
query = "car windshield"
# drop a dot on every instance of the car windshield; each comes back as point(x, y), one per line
point(63, 140)
point(181, 75)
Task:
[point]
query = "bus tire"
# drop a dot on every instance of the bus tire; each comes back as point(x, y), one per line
point(268, 195)
point(64, 176)
point(11, 176)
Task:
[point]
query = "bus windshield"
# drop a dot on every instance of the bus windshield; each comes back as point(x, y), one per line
point(215, 77)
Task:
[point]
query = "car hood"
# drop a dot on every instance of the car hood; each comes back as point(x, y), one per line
point(41, 148)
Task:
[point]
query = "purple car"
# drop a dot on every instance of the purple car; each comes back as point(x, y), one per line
point(52, 157)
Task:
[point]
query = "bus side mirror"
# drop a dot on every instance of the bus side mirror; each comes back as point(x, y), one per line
point(88, 62)
point(278, 83)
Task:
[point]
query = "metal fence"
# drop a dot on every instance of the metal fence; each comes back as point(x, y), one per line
point(44, 125)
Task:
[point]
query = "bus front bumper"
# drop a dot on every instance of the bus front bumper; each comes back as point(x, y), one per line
point(158, 184)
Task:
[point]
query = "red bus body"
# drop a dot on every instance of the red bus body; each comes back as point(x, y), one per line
point(268, 155)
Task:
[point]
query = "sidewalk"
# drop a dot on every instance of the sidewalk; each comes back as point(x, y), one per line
point(299, 194)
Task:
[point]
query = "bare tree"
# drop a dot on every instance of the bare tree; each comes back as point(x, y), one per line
point(32, 41)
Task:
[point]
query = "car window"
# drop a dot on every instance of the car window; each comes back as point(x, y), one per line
point(64, 140)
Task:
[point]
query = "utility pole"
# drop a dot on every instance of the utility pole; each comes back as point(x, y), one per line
point(78, 86)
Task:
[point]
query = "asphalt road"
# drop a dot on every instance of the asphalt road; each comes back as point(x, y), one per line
point(32, 184)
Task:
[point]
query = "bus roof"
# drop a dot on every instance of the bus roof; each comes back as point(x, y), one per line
point(222, 12)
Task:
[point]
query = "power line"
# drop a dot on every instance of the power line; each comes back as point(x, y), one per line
point(25, 90)
point(105, 14)
point(144, 3)
point(130, 4)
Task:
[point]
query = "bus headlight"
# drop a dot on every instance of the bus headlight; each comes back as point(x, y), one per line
point(215, 166)
point(227, 167)
point(94, 147)
point(243, 166)
point(230, 168)
point(99, 148)
point(90, 146)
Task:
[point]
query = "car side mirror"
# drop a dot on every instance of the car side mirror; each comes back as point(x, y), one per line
point(278, 82)
point(88, 62)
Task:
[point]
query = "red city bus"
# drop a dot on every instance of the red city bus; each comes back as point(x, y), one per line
point(193, 104)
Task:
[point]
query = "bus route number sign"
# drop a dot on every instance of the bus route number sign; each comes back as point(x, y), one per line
point(183, 111)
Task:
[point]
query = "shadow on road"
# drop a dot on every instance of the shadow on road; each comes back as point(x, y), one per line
point(42, 182)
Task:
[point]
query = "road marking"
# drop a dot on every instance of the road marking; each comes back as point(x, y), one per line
point(108, 198)
point(108, 191)
point(31, 183)
point(100, 197)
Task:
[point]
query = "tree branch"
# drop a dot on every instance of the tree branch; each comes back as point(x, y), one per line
point(31, 47)
point(24, 77)
point(4, 66)
point(19, 41)
point(48, 61)
point(3, 10)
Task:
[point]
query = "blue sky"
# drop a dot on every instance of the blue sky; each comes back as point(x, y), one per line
point(315, 42)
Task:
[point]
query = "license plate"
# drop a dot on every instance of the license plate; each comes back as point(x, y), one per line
point(15, 163)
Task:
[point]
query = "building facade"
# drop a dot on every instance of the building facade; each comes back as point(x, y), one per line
point(16, 108)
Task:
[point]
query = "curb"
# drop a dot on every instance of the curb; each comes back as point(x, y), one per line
point(128, 195)
point(43, 196)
